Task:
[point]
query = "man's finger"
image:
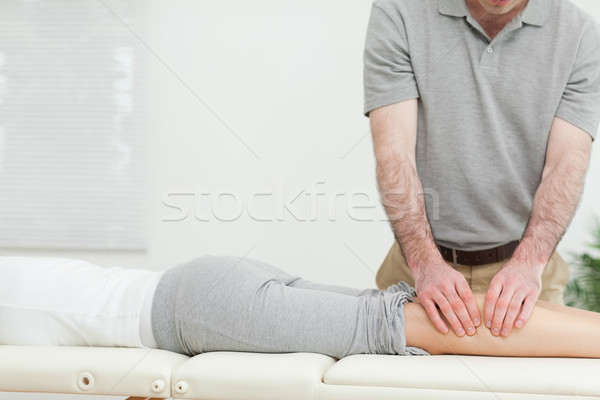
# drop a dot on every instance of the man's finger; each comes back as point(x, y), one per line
point(511, 315)
point(465, 293)
point(434, 315)
point(460, 310)
point(489, 306)
point(528, 306)
point(500, 310)
point(451, 317)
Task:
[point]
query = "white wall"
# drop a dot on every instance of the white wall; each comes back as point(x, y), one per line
point(286, 78)
point(266, 97)
point(578, 234)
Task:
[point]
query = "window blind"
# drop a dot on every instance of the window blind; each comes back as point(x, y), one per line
point(72, 139)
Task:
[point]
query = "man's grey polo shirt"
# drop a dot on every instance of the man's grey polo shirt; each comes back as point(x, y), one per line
point(485, 107)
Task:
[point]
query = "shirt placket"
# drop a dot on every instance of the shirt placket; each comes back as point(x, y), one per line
point(489, 57)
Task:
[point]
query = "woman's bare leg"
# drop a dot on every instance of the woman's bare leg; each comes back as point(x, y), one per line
point(552, 331)
point(571, 310)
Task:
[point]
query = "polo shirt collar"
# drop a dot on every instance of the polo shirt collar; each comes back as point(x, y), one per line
point(453, 8)
point(535, 13)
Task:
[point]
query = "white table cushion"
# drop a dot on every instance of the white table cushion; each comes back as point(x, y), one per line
point(343, 392)
point(297, 376)
point(249, 376)
point(88, 370)
point(560, 377)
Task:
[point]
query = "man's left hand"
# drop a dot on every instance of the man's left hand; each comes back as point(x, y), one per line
point(511, 297)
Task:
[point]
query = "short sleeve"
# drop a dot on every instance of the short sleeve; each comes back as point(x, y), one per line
point(580, 103)
point(388, 73)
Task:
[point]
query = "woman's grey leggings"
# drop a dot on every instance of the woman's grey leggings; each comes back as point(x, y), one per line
point(232, 304)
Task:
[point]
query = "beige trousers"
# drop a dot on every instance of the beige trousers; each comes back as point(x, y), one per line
point(394, 269)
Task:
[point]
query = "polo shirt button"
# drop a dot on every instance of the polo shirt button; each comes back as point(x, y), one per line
point(490, 50)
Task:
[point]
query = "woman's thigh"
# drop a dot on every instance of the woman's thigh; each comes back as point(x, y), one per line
point(245, 305)
point(224, 303)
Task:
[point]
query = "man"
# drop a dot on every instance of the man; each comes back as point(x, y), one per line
point(482, 114)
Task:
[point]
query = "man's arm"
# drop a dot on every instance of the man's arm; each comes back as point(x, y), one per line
point(394, 130)
point(518, 283)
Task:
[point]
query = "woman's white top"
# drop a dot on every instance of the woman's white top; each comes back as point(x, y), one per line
point(64, 302)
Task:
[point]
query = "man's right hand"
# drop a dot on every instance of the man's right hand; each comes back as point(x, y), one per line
point(442, 286)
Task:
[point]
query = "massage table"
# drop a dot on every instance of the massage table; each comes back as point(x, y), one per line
point(157, 374)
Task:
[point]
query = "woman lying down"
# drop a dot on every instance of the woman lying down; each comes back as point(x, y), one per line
point(232, 304)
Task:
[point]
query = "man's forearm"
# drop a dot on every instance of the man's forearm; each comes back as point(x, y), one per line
point(394, 130)
point(554, 205)
point(402, 197)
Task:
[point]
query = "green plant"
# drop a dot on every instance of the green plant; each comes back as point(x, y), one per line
point(583, 289)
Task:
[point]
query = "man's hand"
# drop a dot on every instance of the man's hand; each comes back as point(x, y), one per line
point(511, 297)
point(518, 283)
point(442, 286)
